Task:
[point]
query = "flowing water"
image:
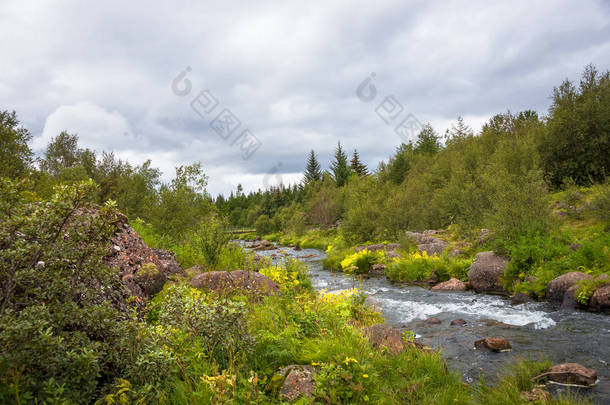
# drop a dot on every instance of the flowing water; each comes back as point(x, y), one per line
point(535, 330)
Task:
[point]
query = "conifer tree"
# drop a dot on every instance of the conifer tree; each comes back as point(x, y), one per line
point(339, 167)
point(312, 170)
point(357, 166)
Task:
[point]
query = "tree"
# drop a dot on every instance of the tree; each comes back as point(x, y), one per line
point(339, 167)
point(458, 131)
point(357, 166)
point(15, 155)
point(312, 170)
point(577, 141)
point(427, 141)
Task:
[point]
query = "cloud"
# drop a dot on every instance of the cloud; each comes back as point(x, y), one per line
point(288, 71)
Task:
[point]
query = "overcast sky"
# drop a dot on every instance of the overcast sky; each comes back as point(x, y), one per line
point(288, 71)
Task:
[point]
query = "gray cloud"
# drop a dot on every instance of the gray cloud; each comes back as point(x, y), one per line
point(289, 71)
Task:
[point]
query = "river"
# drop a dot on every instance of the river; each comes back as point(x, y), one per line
point(535, 330)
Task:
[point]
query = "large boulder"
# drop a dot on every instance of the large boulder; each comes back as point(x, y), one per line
point(150, 279)
point(450, 285)
point(557, 288)
point(600, 300)
point(493, 344)
point(169, 264)
point(484, 274)
point(248, 281)
point(569, 373)
point(298, 382)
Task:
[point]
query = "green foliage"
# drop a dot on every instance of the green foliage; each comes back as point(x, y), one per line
point(219, 325)
point(61, 334)
point(312, 170)
point(361, 262)
point(575, 144)
point(342, 381)
point(264, 225)
point(587, 287)
point(339, 167)
point(419, 266)
point(15, 154)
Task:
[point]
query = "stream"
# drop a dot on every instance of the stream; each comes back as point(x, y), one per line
point(535, 330)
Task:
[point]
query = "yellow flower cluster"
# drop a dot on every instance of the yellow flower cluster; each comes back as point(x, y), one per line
point(350, 263)
point(336, 297)
point(281, 275)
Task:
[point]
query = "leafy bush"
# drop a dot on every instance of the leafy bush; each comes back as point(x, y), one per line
point(61, 334)
point(419, 266)
point(361, 262)
point(342, 381)
point(218, 324)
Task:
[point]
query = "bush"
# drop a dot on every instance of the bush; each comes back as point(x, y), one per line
point(217, 324)
point(61, 334)
point(361, 262)
point(419, 266)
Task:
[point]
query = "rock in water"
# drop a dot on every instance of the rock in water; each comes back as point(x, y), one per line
point(557, 288)
point(519, 299)
point(484, 274)
point(569, 373)
point(450, 285)
point(493, 344)
point(432, 321)
point(600, 300)
point(458, 322)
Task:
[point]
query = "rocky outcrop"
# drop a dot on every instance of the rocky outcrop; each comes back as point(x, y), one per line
point(484, 274)
point(248, 281)
point(452, 284)
point(493, 344)
point(568, 373)
point(557, 288)
point(298, 382)
point(142, 270)
point(433, 248)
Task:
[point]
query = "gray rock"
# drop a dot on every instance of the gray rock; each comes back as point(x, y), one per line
point(557, 288)
point(484, 274)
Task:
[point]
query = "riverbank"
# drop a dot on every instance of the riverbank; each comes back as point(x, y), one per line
point(536, 330)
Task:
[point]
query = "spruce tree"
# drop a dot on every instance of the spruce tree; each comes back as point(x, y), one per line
point(339, 167)
point(312, 170)
point(357, 166)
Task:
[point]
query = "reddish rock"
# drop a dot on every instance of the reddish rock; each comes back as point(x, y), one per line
point(569, 373)
point(239, 279)
point(484, 274)
point(557, 288)
point(378, 269)
point(298, 382)
point(432, 321)
point(493, 344)
point(382, 335)
point(450, 285)
point(600, 300)
point(458, 322)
